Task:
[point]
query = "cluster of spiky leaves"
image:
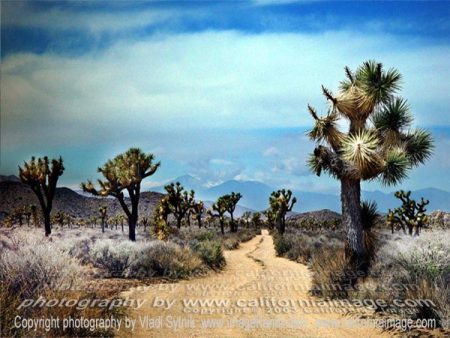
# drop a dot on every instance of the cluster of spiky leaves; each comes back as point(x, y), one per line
point(39, 172)
point(411, 215)
point(281, 201)
point(125, 171)
point(379, 143)
point(369, 214)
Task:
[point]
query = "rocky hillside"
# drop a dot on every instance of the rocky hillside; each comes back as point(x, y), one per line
point(14, 194)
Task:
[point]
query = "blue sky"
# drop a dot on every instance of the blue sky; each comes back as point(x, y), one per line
point(214, 89)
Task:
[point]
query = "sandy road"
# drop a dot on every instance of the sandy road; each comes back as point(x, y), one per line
point(262, 296)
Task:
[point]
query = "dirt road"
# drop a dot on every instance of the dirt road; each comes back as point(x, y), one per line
point(257, 295)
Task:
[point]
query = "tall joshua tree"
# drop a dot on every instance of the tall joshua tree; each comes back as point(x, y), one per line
point(281, 202)
point(125, 172)
point(42, 179)
point(179, 201)
point(377, 145)
point(230, 205)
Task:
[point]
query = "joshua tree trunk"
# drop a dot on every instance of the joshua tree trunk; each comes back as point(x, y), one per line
point(132, 229)
point(222, 227)
point(351, 214)
point(132, 220)
point(47, 224)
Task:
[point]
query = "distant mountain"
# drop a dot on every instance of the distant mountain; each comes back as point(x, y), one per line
point(15, 194)
point(9, 178)
point(439, 199)
point(256, 196)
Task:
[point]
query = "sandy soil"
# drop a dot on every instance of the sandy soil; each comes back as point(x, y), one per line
point(266, 297)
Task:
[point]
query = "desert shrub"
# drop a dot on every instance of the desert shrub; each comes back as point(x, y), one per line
point(31, 269)
point(42, 269)
point(332, 273)
point(210, 252)
point(204, 235)
point(147, 259)
point(113, 257)
point(245, 235)
point(301, 246)
point(417, 268)
point(282, 244)
point(163, 259)
point(231, 243)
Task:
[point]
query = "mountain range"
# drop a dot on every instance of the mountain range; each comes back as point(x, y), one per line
point(255, 198)
point(256, 195)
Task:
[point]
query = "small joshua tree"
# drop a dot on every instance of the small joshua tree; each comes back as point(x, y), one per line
point(125, 173)
point(221, 208)
point(60, 218)
point(256, 220)
point(410, 215)
point(103, 212)
point(378, 144)
point(231, 202)
point(42, 179)
point(179, 201)
point(198, 209)
point(246, 216)
point(281, 202)
point(34, 215)
point(144, 222)
point(271, 217)
point(160, 223)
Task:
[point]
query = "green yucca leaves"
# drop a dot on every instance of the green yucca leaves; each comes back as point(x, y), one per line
point(395, 116)
point(419, 146)
point(396, 167)
point(379, 85)
point(369, 214)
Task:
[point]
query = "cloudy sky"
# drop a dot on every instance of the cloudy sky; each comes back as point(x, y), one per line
point(217, 90)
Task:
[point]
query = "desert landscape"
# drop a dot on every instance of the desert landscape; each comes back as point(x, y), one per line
point(209, 169)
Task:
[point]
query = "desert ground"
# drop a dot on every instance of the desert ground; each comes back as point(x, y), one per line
point(250, 273)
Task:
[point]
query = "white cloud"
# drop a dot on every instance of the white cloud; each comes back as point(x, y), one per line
point(168, 91)
point(21, 14)
point(216, 170)
point(206, 80)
